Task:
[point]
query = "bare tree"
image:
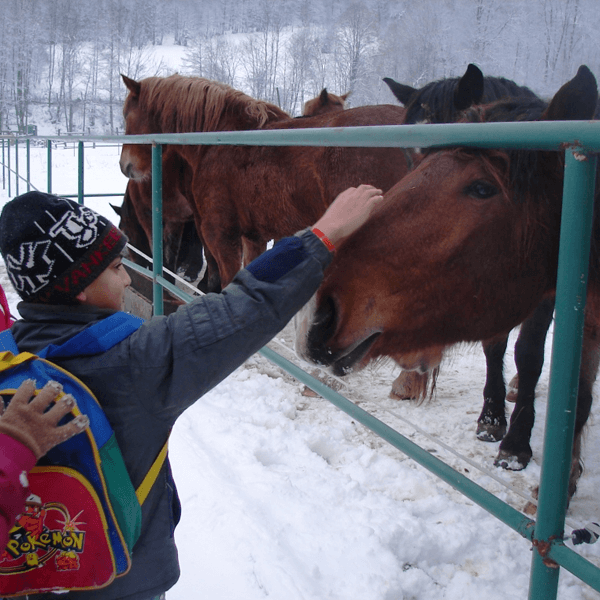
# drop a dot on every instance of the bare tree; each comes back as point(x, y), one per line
point(356, 45)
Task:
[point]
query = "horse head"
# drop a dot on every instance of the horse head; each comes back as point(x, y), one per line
point(462, 249)
point(442, 101)
point(325, 102)
point(178, 104)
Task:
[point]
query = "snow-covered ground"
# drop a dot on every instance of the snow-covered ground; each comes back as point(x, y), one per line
point(286, 497)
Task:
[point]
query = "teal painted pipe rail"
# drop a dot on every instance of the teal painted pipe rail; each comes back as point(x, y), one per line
point(80, 172)
point(28, 165)
point(538, 135)
point(49, 167)
point(157, 228)
point(574, 252)
point(17, 165)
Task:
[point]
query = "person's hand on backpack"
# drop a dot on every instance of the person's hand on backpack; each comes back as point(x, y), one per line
point(27, 420)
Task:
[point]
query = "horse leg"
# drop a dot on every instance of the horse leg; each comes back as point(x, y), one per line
point(410, 385)
point(190, 259)
point(515, 450)
point(211, 280)
point(252, 248)
point(590, 359)
point(491, 424)
point(223, 240)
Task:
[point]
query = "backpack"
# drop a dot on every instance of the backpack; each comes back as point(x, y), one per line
point(83, 515)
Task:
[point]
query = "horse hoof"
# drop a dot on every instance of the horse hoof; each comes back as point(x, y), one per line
point(410, 385)
point(490, 432)
point(512, 389)
point(512, 462)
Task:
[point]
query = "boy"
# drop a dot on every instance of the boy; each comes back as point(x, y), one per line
point(64, 260)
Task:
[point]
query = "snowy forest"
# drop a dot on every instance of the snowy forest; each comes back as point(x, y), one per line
point(62, 59)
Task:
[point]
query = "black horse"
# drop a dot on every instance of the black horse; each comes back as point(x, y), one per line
point(442, 101)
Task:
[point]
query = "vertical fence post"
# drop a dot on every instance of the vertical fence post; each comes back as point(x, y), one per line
point(573, 261)
point(80, 173)
point(8, 170)
point(3, 167)
point(157, 227)
point(16, 166)
point(49, 167)
point(28, 143)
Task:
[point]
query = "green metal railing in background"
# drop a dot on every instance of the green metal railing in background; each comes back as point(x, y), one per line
point(580, 141)
point(8, 172)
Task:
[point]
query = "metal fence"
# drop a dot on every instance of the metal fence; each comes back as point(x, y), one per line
point(581, 143)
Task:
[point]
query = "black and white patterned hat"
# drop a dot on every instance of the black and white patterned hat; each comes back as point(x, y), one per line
point(54, 247)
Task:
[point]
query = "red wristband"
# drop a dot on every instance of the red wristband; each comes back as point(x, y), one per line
point(324, 239)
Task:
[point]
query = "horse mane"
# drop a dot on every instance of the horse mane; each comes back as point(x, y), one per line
point(184, 104)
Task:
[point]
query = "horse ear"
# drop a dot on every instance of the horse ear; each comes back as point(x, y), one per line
point(324, 96)
point(576, 100)
point(469, 90)
point(116, 208)
point(403, 92)
point(132, 85)
point(344, 97)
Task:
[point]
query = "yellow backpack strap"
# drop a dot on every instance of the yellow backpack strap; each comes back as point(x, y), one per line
point(9, 360)
point(146, 485)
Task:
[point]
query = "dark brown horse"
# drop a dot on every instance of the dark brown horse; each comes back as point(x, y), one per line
point(182, 246)
point(137, 238)
point(245, 196)
point(463, 249)
point(325, 102)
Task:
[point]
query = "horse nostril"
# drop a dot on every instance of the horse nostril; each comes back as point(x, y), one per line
point(322, 329)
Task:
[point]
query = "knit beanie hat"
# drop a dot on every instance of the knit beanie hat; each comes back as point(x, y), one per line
point(54, 247)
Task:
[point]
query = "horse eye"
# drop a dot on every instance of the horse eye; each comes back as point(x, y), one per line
point(482, 190)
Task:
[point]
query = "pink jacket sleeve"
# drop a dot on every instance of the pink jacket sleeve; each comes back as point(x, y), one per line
point(15, 462)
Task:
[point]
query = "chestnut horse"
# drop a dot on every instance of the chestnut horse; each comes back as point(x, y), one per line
point(245, 196)
point(183, 250)
point(464, 248)
point(325, 102)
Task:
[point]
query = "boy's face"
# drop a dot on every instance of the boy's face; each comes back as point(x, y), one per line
point(108, 290)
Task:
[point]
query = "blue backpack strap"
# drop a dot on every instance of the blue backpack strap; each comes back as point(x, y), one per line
point(7, 342)
point(98, 338)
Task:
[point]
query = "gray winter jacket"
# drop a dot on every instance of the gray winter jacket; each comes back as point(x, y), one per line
point(145, 382)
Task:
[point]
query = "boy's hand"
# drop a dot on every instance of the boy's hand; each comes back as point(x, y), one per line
point(348, 212)
point(25, 420)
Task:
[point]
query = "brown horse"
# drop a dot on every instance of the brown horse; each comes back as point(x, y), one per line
point(443, 101)
point(248, 195)
point(183, 250)
point(325, 102)
point(463, 249)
